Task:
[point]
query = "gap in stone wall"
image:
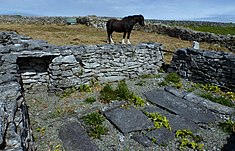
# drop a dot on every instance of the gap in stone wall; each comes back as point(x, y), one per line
point(34, 73)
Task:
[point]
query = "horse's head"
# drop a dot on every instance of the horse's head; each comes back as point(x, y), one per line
point(141, 20)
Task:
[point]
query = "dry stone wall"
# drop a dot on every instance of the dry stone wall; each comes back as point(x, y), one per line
point(15, 132)
point(58, 68)
point(158, 26)
point(166, 28)
point(205, 66)
point(18, 19)
point(104, 63)
point(32, 66)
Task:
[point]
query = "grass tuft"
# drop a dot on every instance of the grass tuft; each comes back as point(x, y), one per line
point(94, 122)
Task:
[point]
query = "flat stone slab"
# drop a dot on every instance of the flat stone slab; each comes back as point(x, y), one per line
point(128, 119)
point(176, 122)
point(161, 135)
point(215, 107)
point(143, 140)
point(192, 97)
point(179, 106)
point(75, 138)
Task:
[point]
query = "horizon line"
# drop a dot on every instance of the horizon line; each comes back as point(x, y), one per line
point(206, 19)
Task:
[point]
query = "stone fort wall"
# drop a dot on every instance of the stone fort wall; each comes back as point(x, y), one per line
point(28, 65)
point(31, 66)
point(203, 66)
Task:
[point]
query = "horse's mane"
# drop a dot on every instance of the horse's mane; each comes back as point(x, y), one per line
point(131, 17)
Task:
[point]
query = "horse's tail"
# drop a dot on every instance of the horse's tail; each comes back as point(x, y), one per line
point(108, 25)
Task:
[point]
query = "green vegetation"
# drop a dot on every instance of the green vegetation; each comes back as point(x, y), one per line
point(107, 94)
point(140, 83)
point(57, 148)
point(172, 79)
point(94, 121)
point(85, 88)
point(228, 126)
point(41, 130)
point(146, 76)
point(218, 99)
point(122, 92)
point(158, 120)
point(188, 139)
point(90, 100)
point(215, 29)
point(136, 100)
point(214, 93)
point(59, 111)
point(154, 140)
point(68, 92)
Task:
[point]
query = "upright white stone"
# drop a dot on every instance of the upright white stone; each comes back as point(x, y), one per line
point(195, 45)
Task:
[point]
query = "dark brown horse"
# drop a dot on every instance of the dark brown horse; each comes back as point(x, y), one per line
point(125, 25)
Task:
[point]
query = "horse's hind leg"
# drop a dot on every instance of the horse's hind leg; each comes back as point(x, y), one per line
point(111, 37)
point(128, 38)
point(123, 38)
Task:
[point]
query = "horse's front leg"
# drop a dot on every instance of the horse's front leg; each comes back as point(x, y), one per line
point(110, 39)
point(123, 38)
point(128, 37)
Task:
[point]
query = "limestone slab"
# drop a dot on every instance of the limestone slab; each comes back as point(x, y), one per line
point(179, 106)
point(75, 138)
point(128, 119)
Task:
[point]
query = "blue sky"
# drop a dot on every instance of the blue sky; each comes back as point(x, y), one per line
point(212, 10)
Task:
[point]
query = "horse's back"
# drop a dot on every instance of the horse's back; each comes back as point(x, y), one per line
point(109, 23)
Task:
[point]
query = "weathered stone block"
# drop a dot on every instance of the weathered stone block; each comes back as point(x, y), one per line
point(75, 138)
point(179, 106)
point(125, 119)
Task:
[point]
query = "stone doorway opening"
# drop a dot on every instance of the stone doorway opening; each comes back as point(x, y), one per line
point(34, 73)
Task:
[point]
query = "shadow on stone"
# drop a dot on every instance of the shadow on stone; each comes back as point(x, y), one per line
point(230, 146)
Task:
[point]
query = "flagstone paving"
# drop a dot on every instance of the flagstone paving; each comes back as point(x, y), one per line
point(183, 110)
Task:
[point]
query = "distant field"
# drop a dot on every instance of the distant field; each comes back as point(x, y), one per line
point(81, 34)
point(215, 29)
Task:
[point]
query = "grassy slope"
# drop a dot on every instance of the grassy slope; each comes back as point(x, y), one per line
point(214, 29)
point(81, 34)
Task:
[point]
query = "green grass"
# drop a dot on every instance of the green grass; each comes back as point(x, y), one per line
point(220, 99)
point(228, 126)
point(214, 29)
point(94, 121)
point(172, 79)
point(122, 92)
point(107, 94)
point(90, 100)
point(188, 139)
point(158, 120)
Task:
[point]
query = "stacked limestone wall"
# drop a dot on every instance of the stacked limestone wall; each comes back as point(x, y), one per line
point(67, 66)
point(32, 66)
point(15, 132)
point(205, 66)
point(104, 63)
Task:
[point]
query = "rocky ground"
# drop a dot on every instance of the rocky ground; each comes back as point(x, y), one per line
point(54, 115)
